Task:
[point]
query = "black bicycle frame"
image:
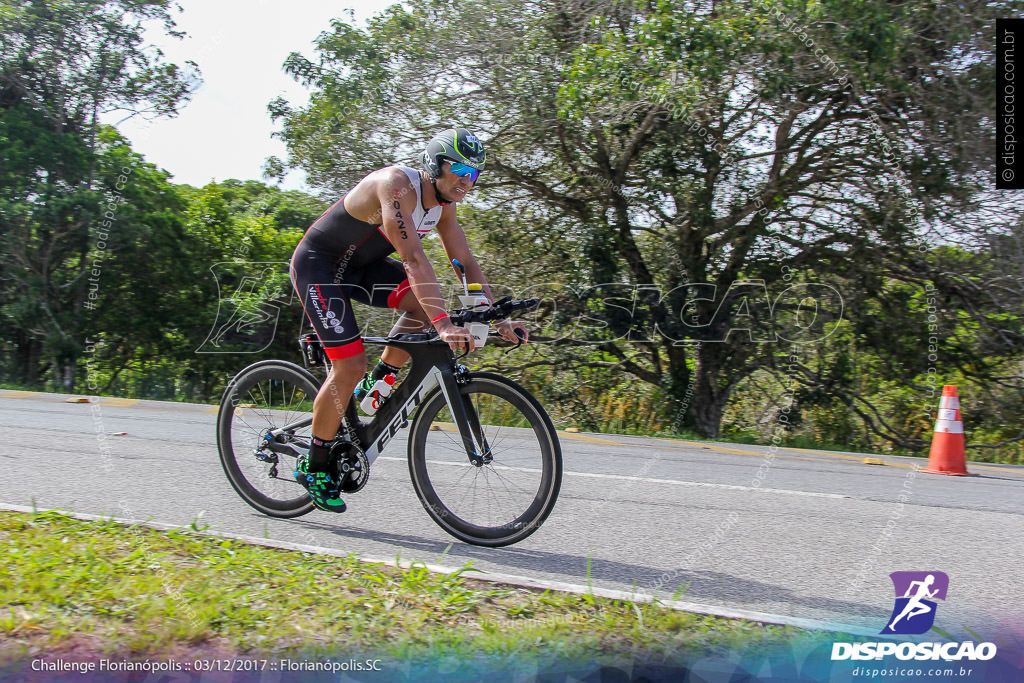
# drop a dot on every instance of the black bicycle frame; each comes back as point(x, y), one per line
point(433, 365)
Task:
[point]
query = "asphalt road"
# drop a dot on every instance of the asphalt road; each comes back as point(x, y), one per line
point(798, 533)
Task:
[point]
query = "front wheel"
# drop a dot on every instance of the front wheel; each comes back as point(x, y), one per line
point(263, 424)
point(504, 500)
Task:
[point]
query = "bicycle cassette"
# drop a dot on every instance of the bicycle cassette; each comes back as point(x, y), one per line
point(351, 466)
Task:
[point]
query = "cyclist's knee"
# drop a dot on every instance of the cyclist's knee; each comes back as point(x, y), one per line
point(410, 305)
point(349, 370)
point(417, 317)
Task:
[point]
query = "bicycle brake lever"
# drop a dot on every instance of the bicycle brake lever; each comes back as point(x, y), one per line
point(519, 342)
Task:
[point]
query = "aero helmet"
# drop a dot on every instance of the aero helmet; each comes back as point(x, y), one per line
point(457, 144)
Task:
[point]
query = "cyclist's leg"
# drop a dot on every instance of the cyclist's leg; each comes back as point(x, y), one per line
point(413, 319)
point(328, 307)
point(332, 400)
point(326, 299)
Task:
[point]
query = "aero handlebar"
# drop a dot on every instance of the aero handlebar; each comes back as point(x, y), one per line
point(503, 308)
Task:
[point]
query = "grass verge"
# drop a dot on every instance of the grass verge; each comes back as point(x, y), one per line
point(102, 588)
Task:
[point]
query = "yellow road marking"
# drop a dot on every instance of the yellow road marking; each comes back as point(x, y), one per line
point(723, 449)
point(736, 451)
point(831, 454)
point(118, 402)
point(590, 439)
point(8, 393)
point(1019, 473)
point(450, 427)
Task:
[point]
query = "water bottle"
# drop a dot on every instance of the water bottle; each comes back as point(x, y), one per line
point(380, 390)
point(475, 298)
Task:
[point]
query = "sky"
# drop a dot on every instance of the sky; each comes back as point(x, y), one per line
point(224, 131)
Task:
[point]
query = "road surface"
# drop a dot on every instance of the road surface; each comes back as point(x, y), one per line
point(803, 534)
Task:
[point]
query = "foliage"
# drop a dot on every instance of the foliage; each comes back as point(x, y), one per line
point(64, 64)
point(650, 163)
point(658, 173)
point(223, 288)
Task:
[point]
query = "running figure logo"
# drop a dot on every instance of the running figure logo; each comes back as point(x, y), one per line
point(914, 611)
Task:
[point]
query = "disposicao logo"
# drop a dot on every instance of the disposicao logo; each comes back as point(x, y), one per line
point(914, 611)
point(914, 614)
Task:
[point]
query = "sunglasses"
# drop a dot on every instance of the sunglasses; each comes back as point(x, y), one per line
point(464, 171)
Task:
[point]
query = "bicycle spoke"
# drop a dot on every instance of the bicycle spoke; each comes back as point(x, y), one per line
point(510, 495)
point(501, 501)
point(273, 396)
point(504, 481)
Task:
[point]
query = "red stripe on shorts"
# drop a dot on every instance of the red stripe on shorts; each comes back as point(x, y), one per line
point(346, 351)
point(396, 296)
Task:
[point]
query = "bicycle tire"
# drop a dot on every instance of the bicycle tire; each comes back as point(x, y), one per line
point(436, 454)
point(258, 399)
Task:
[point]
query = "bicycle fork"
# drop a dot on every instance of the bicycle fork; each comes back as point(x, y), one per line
point(466, 419)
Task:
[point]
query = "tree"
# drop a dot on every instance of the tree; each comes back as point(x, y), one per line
point(193, 286)
point(62, 66)
point(680, 153)
point(244, 233)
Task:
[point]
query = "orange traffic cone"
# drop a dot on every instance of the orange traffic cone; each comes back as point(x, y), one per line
point(947, 454)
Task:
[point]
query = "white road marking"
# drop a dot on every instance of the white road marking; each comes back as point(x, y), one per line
point(646, 480)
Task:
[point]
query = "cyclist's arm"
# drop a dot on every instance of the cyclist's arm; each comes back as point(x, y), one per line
point(397, 204)
point(453, 239)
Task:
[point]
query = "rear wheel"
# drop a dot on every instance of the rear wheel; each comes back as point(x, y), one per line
point(262, 398)
point(504, 500)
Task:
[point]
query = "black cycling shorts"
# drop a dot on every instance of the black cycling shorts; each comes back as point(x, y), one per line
point(327, 283)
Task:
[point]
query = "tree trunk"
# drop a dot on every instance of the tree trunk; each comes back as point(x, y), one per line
point(68, 376)
point(707, 407)
point(709, 397)
point(677, 383)
point(27, 352)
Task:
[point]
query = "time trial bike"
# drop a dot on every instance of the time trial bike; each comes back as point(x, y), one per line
point(483, 455)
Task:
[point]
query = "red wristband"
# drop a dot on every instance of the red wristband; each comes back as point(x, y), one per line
point(443, 315)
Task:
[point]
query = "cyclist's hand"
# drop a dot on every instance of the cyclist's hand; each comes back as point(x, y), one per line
point(457, 338)
point(512, 330)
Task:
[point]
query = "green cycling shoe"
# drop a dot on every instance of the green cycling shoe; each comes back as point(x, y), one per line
point(321, 487)
point(363, 388)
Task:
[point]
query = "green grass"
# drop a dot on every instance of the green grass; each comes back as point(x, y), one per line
point(104, 588)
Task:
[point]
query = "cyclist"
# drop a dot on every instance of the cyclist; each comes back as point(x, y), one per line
point(345, 256)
